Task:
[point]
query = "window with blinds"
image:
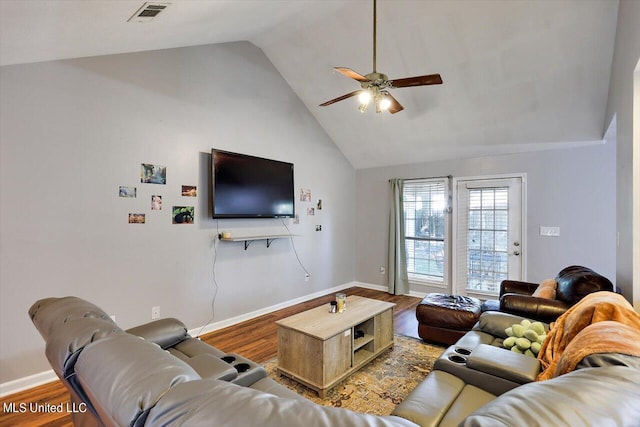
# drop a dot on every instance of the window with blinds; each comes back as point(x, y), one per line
point(425, 204)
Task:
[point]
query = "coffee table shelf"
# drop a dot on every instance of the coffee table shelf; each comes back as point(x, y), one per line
point(319, 349)
point(361, 342)
point(362, 357)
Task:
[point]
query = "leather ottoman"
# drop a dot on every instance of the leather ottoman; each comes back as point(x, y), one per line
point(444, 318)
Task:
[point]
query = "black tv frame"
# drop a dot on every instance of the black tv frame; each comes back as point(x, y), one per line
point(266, 164)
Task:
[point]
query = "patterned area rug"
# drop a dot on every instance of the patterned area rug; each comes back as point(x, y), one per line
point(381, 385)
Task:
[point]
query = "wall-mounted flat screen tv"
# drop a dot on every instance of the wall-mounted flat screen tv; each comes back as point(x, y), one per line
point(250, 187)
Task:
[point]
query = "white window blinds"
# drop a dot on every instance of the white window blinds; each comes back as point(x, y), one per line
point(425, 206)
point(487, 235)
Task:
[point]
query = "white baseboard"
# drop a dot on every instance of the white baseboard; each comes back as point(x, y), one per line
point(371, 286)
point(384, 288)
point(21, 384)
point(247, 316)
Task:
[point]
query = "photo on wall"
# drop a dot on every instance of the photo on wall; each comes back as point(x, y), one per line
point(153, 174)
point(189, 191)
point(182, 215)
point(136, 218)
point(156, 202)
point(305, 195)
point(127, 192)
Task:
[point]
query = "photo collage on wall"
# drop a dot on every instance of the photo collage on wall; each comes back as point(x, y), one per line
point(311, 209)
point(157, 174)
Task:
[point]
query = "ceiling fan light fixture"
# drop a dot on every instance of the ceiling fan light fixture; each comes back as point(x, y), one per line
point(374, 85)
point(384, 103)
point(364, 97)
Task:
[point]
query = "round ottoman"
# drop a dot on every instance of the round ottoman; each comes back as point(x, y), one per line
point(444, 318)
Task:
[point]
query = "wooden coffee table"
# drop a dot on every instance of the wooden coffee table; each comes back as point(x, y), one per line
point(319, 349)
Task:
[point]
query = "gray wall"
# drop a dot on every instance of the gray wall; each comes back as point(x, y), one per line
point(573, 189)
point(73, 131)
point(620, 105)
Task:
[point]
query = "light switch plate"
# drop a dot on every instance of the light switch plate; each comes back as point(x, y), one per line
point(549, 231)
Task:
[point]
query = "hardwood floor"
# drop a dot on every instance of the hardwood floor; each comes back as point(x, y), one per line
point(256, 339)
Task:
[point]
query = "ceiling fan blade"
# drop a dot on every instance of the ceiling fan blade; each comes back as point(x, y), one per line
point(395, 106)
point(340, 98)
point(431, 79)
point(351, 74)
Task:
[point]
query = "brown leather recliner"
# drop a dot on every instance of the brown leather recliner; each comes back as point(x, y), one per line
point(573, 283)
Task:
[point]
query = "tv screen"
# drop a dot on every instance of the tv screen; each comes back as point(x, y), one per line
point(250, 187)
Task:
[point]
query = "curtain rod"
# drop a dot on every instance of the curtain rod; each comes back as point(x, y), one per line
point(430, 177)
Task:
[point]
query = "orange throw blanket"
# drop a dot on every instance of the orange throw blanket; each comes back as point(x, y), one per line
point(594, 308)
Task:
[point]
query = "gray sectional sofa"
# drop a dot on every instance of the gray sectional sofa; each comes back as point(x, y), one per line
point(157, 375)
point(477, 383)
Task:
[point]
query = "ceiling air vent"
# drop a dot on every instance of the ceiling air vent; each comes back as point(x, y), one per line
point(148, 12)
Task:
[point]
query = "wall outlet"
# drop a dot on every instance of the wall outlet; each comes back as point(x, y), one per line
point(155, 312)
point(382, 269)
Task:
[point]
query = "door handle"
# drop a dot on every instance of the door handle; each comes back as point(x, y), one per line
point(516, 253)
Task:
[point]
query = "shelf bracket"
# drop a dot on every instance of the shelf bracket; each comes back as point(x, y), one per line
point(247, 243)
point(250, 239)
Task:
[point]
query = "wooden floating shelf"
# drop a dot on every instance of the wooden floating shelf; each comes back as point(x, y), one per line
point(250, 239)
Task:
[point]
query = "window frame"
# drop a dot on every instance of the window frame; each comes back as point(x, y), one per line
point(427, 280)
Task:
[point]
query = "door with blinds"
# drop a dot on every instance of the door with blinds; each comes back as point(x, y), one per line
point(488, 241)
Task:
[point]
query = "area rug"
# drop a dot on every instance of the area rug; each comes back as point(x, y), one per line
point(379, 386)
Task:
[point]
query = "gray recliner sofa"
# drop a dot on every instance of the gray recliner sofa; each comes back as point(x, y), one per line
point(157, 375)
point(477, 383)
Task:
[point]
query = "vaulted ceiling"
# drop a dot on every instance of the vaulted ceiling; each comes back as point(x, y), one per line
point(519, 75)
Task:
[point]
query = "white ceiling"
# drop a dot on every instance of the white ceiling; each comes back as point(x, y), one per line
point(519, 75)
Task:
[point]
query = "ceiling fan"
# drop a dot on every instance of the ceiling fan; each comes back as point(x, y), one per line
point(375, 85)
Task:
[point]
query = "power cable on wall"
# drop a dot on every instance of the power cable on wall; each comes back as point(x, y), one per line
point(293, 245)
point(214, 280)
point(213, 270)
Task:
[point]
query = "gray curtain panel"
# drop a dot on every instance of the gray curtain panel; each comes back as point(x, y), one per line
point(398, 280)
